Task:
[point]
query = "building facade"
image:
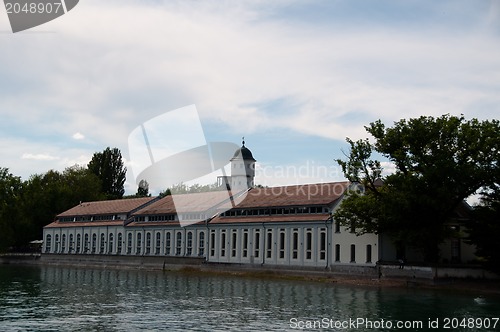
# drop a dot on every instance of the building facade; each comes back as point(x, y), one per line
point(288, 226)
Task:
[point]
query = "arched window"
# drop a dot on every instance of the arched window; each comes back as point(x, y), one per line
point(63, 243)
point(86, 243)
point(102, 244)
point(78, 243)
point(94, 243)
point(158, 243)
point(119, 243)
point(110, 243)
point(168, 243)
point(189, 248)
point(71, 243)
point(48, 242)
point(201, 245)
point(139, 244)
point(129, 243)
point(56, 249)
point(148, 243)
point(178, 243)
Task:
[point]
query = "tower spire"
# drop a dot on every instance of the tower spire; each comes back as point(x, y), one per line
point(243, 141)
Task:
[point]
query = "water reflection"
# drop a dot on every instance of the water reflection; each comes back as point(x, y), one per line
point(69, 299)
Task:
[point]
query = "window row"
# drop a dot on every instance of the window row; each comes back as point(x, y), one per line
point(171, 243)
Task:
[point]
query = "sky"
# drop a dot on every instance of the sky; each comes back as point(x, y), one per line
point(295, 78)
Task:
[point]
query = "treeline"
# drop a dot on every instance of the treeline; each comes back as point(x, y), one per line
point(27, 206)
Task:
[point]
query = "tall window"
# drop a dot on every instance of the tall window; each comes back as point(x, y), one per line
point(212, 243)
point(309, 244)
point(201, 245)
point(353, 253)
point(322, 244)
point(337, 252)
point(71, 243)
point(337, 227)
point(269, 248)
point(282, 243)
point(110, 243)
point(158, 243)
point(223, 243)
point(295, 243)
point(119, 243)
point(257, 244)
point(129, 243)
point(234, 239)
point(189, 246)
point(94, 243)
point(178, 243)
point(148, 243)
point(101, 246)
point(138, 244)
point(368, 253)
point(63, 243)
point(56, 250)
point(168, 243)
point(48, 242)
point(86, 243)
point(245, 243)
point(78, 243)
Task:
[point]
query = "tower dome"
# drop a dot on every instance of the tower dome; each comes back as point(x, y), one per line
point(243, 153)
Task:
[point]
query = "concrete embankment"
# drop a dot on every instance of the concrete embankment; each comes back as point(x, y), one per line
point(380, 275)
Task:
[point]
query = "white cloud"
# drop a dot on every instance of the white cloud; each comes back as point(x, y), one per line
point(78, 136)
point(39, 156)
point(121, 63)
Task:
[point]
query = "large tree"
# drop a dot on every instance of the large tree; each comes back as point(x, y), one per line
point(46, 195)
point(10, 190)
point(484, 227)
point(109, 168)
point(438, 163)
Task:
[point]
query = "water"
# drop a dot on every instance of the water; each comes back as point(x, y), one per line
point(50, 298)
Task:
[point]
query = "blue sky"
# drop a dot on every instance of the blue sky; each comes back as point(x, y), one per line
point(294, 77)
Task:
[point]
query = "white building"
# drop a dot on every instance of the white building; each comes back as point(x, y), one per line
point(288, 226)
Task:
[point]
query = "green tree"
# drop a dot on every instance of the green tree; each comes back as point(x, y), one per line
point(484, 227)
point(143, 189)
point(46, 195)
point(438, 162)
point(10, 190)
point(109, 168)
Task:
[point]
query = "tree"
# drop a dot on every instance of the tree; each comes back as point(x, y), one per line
point(438, 162)
point(143, 189)
point(108, 166)
point(10, 189)
point(484, 227)
point(46, 195)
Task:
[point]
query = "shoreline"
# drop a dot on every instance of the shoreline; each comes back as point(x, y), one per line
point(478, 286)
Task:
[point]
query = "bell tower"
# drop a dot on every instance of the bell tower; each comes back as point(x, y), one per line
point(242, 169)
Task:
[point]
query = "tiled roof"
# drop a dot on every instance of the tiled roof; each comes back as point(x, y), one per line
point(106, 207)
point(56, 224)
point(195, 202)
point(271, 219)
point(305, 194)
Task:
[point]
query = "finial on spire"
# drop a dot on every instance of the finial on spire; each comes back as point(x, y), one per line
point(243, 141)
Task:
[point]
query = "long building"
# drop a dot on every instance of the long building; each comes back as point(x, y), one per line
point(287, 226)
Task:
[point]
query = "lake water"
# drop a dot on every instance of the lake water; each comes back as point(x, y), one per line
point(46, 298)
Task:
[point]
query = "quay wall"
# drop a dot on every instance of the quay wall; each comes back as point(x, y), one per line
point(177, 263)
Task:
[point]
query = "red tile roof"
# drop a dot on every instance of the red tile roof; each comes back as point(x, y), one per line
point(195, 202)
point(106, 207)
point(271, 219)
point(57, 224)
point(297, 195)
